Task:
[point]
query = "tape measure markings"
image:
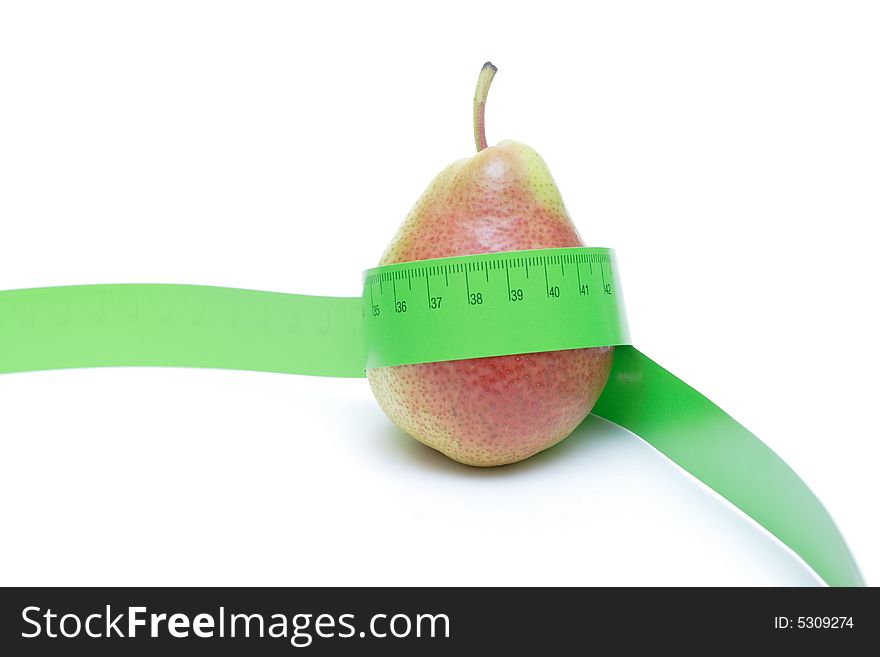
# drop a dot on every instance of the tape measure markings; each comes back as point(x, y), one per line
point(449, 302)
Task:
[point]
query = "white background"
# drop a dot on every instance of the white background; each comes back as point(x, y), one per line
point(728, 151)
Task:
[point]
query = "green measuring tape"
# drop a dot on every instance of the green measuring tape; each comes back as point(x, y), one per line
point(427, 311)
point(492, 305)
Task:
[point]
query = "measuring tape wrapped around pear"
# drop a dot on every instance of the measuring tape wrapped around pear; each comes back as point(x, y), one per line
point(501, 409)
point(488, 357)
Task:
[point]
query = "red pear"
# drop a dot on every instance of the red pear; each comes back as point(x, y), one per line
point(490, 411)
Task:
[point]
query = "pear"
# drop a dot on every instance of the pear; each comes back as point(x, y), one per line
point(498, 410)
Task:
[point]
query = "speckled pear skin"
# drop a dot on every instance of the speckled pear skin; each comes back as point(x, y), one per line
point(490, 411)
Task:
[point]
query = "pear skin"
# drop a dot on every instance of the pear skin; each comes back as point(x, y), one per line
point(498, 410)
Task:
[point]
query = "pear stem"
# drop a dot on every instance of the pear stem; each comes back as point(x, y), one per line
point(483, 82)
